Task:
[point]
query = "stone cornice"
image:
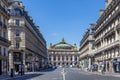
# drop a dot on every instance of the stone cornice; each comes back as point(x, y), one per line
point(107, 12)
point(107, 22)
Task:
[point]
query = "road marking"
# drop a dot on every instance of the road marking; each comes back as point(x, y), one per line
point(55, 78)
point(63, 72)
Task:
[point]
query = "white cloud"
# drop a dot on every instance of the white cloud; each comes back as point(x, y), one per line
point(54, 34)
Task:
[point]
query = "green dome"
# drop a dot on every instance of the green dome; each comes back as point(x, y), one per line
point(63, 45)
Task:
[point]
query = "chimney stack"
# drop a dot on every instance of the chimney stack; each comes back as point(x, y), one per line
point(92, 26)
point(108, 2)
point(101, 12)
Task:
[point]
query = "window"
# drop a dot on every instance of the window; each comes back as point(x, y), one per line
point(17, 32)
point(17, 22)
point(17, 12)
point(58, 57)
point(67, 58)
point(50, 58)
point(4, 34)
point(75, 58)
point(17, 45)
point(0, 32)
point(62, 58)
point(71, 58)
point(0, 51)
point(4, 52)
point(54, 58)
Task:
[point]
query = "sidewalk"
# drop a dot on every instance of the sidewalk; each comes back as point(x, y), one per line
point(105, 74)
point(7, 77)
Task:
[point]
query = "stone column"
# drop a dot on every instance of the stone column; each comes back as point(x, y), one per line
point(99, 66)
point(69, 58)
point(77, 58)
point(51, 57)
point(64, 58)
point(61, 58)
point(73, 60)
point(107, 66)
point(89, 65)
point(116, 35)
point(56, 58)
point(23, 61)
point(33, 62)
point(111, 67)
point(11, 61)
point(103, 42)
point(23, 55)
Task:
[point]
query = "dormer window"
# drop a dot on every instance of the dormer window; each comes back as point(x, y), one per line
point(18, 12)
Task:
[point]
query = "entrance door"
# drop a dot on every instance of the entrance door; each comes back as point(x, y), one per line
point(16, 67)
point(0, 67)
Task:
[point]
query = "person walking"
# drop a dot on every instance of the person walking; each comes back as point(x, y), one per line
point(102, 65)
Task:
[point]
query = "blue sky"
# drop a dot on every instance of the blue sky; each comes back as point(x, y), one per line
point(64, 18)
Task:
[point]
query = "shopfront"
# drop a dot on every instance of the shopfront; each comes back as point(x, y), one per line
point(116, 65)
point(17, 60)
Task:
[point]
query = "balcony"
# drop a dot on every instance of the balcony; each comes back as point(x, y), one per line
point(14, 48)
point(0, 23)
point(13, 24)
point(115, 43)
point(5, 40)
point(5, 2)
point(3, 9)
point(5, 26)
point(118, 26)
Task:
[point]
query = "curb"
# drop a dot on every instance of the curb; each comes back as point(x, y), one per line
point(12, 78)
point(105, 74)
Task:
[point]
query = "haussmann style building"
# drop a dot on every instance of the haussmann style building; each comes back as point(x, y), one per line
point(28, 47)
point(63, 54)
point(86, 47)
point(4, 43)
point(107, 37)
point(105, 49)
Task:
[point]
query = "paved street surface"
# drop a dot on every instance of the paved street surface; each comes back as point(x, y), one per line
point(72, 74)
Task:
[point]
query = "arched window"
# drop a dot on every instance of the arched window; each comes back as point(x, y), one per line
point(58, 58)
point(66, 57)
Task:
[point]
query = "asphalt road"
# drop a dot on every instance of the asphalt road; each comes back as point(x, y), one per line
point(71, 74)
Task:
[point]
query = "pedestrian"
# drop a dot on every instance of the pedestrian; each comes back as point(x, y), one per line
point(108, 66)
point(102, 65)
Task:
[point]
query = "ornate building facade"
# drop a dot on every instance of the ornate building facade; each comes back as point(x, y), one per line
point(107, 37)
point(86, 47)
point(4, 43)
point(106, 45)
point(28, 47)
point(63, 54)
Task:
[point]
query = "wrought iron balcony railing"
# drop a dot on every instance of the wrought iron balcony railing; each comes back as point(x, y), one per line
point(4, 10)
point(4, 40)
